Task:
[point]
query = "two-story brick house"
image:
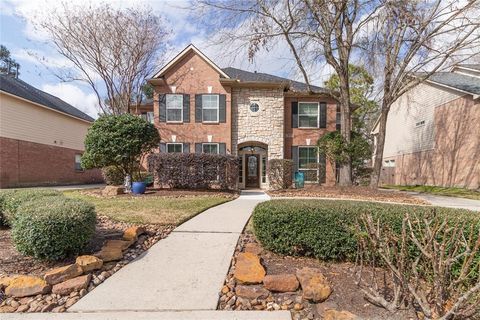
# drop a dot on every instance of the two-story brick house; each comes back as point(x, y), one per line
point(199, 107)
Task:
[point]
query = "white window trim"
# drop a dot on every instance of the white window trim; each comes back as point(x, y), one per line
point(318, 159)
point(212, 143)
point(172, 143)
point(75, 163)
point(318, 115)
point(166, 108)
point(218, 108)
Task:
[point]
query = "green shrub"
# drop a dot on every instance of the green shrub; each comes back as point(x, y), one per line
point(10, 200)
point(53, 228)
point(113, 176)
point(327, 229)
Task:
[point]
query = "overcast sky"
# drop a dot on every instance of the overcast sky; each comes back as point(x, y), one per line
point(28, 45)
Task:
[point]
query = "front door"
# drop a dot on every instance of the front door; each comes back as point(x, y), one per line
point(252, 171)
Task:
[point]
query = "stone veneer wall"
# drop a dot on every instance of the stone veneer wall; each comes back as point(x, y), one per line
point(266, 125)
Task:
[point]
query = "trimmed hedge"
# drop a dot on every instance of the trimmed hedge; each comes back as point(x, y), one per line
point(194, 171)
point(326, 229)
point(11, 200)
point(52, 228)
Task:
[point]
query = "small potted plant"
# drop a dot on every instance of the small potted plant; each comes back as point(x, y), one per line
point(139, 184)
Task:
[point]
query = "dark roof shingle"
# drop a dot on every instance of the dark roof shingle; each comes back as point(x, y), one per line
point(458, 81)
point(248, 76)
point(23, 90)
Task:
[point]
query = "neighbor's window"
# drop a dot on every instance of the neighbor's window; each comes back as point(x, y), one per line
point(240, 169)
point(338, 118)
point(210, 147)
point(308, 163)
point(78, 165)
point(264, 169)
point(210, 107)
point(174, 103)
point(308, 115)
point(148, 116)
point(174, 147)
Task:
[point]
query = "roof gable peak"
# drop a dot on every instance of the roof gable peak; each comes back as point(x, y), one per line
point(184, 52)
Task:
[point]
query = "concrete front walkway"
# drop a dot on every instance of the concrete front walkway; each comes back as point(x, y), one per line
point(183, 272)
point(449, 202)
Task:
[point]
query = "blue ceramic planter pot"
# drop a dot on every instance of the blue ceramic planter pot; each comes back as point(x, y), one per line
point(139, 187)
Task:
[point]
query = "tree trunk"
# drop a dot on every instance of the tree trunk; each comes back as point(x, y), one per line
point(345, 174)
point(378, 160)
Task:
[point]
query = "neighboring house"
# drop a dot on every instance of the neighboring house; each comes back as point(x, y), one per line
point(199, 107)
point(41, 138)
point(433, 132)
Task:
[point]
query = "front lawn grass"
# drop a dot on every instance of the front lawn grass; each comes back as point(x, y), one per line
point(441, 191)
point(151, 209)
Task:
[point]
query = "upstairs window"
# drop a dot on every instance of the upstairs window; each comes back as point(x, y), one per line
point(210, 108)
point(174, 105)
point(308, 115)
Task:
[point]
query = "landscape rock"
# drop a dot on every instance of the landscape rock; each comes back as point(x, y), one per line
point(70, 302)
point(110, 191)
point(314, 285)
point(332, 314)
point(7, 309)
point(110, 254)
point(121, 244)
point(49, 307)
point(23, 308)
point(281, 283)
point(254, 248)
point(132, 233)
point(71, 285)
point(25, 286)
point(251, 292)
point(248, 268)
point(5, 281)
point(89, 263)
point(61, 274)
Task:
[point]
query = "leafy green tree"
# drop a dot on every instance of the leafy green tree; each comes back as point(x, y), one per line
point(337, 150)
point(119, 141)
point(361, 88)
point(7, 64)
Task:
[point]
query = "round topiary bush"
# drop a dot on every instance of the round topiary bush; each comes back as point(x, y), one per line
point(10, 200)
point(53, 228)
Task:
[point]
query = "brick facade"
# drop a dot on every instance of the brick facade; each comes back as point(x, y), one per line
point(269, 128)
point(24, 164)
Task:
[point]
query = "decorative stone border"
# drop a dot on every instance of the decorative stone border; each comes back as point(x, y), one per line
point(62, 287)
point(247, 287)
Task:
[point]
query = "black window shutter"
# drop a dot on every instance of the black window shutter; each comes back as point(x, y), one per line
point(295, 114)
point(295, 160)
point(163, 147)
point(322, 168)
point(162, 110)
point(198, 148)
point(186, 148)
point(222, 148)
point(198, 108)
point(186, 108)
point(323, 115)
point(222, 105)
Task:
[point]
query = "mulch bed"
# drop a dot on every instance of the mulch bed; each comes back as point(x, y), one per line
point(360, 193)
point(12, 262)
point(170, 193)
point(345, 296)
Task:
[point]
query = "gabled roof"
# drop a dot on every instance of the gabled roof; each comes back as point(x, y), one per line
point(459, 81)
point(25, 91)
point(247, 76)
point(185, 51)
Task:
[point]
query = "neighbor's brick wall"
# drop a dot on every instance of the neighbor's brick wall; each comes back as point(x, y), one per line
point(265, 126)
point(24, 163)
point(299, 136)
point(192, 75)
point(455, 159)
